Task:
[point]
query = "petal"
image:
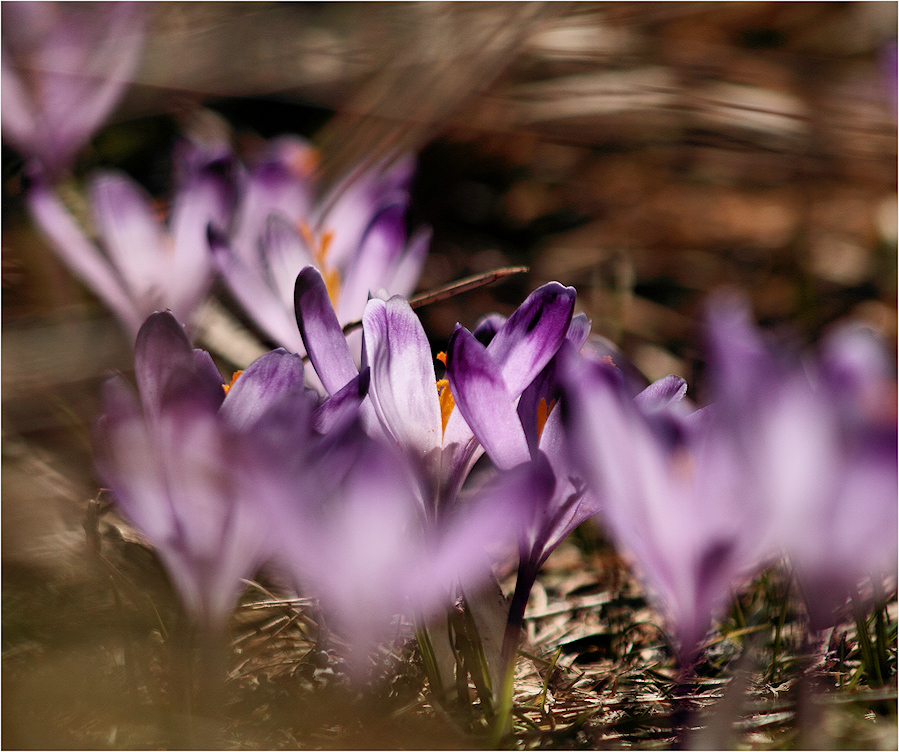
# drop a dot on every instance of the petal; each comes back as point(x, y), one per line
point(487, 328)
point(403, 385)
point(127, 461)
point(132, 236)
point(205, 200)
point(275, 187)
point(162, 347)
point(532, 335)
point(740, 367)
point(408, 270)
point(484, 401)
point(463, 550)
point(370, 270)
point(578, 331)
point(264, 382)
point(661, 394)
point(259, 300)
point(343, 406)
point(282, 257)
point(321, 332)
point(81, 256)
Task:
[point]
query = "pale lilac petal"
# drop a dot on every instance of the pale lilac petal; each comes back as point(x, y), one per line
point(80, 57)
point(740, 365)
point(283, 254)
point(408, 270)
point(262, 383)
point(355, 201)
point(206, 200)
point(321, 332)
point(854, 363)
point(257, 298)
point(661, 394)
point(579, 331)
point(482, 398)
point(277, 186)
point(129, 464)
point(490, 522)
point(81, 256)
point(377, 254)
point(134, 238)
point(403, 385)
point(19, 117)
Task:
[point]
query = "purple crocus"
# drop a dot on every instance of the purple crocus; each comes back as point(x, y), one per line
point(145, 264)
point(513, 431)
point(673, 493)
point(182, 459)
point(819, 438)
point(355, 236)
point(419, 413)
point(352, 533)
point(65, 66)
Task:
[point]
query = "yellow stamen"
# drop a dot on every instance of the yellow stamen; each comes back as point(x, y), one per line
point(227, 387)
point(543, 411)
point(447, 403)
point(441, 356)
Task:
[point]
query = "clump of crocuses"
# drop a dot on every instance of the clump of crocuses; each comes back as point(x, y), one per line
point(142, 263)
point(355, 235)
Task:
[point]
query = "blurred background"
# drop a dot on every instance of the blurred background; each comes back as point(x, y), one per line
point(645, 153)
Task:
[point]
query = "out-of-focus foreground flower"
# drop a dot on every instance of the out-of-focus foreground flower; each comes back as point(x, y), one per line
point(65, 66)
point(353, 532)
point(673, 493)
point(181, 464)
point(819, 437)
point(355, 237)
point(145, 264)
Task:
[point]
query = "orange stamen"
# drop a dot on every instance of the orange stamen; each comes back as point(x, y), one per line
point(441, 356)
point(543, 411)
point(447, 402)
point(304, 162)
point(320, 250)
point(227, 387)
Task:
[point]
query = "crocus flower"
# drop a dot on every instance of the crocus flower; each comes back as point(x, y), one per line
point(352, 533)
point(512, 431)
point(820, 442)
point(65, 66)
point(419, 413)
point(673, 493)
point(355, 236)
point(182, 459)
point(145, 264)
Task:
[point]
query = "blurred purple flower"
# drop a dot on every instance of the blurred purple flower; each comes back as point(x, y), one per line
point(819, 438)
point(672, 490)
point(353, 533)
point(183, 459)
point(146, 264)
point(355, 236)
point(65, 66)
